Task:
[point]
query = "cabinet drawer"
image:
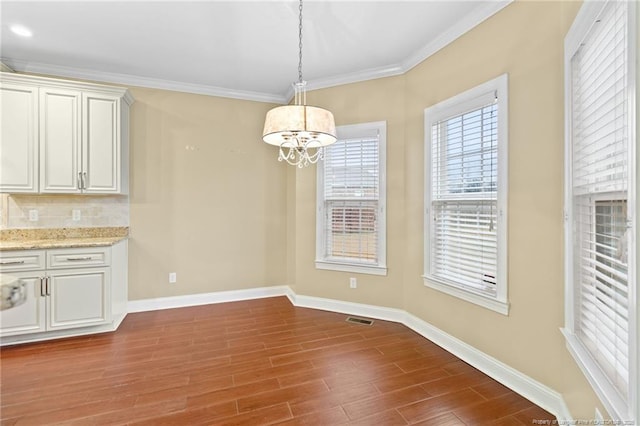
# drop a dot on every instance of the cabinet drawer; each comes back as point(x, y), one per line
point(21, 260)
point(78, 258)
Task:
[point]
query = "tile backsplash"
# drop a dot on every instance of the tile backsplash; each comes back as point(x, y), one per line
point(56, 211)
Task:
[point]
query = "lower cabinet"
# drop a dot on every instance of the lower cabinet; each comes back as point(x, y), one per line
point(71, 290)
point(78, 298)
point(29, 317)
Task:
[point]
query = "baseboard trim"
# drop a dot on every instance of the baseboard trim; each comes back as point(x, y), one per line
point(205, 298)
point(350, 308)
point(531, 389)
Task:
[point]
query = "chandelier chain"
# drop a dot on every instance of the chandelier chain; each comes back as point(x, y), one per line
point(300, 43)
point(301, 132)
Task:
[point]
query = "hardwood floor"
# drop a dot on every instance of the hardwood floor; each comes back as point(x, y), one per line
point(250, 363)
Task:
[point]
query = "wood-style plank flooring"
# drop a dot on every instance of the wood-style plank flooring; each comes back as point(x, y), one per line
point(253, 362)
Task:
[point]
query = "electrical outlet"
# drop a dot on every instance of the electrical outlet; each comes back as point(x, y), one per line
point(353, 283)
point(172, 277)
point(76, 214)
point(33, 215)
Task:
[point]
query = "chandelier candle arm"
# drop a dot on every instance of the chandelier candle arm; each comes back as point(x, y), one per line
point(301, 131)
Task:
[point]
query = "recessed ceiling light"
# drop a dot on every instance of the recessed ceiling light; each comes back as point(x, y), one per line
point(22, 31)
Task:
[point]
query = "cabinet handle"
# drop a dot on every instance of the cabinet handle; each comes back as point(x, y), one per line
point(75, 259)
point(12, 262)
point(42, 292)
point(48, 281)
point(79, 180)
point(84, 180)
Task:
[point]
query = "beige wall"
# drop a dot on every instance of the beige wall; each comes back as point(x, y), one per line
point(208, 198)
point(369, 101)
point(210, 202)
point(524, 40)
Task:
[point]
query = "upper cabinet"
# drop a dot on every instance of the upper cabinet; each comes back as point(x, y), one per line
point(18, 138)
point(101, 165)
point(60, 147)
point(61, 136)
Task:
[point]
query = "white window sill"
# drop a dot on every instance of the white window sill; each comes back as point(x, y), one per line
point(615, 405)
point(476, 298)
point(351, 267)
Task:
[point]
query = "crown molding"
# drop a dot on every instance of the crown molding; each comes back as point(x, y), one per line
point(460, 28)
point(134, 80)
point(354, 77)
point(451, 34)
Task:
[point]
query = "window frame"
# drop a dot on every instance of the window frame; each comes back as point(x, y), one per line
point(354, 131)
point(618, 409)
point(468, 101)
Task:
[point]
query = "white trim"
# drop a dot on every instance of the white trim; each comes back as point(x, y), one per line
point(354, 77)
point(355, 131)
point(466, 294)
point(524, 385)
point(205, 298)
point(634, 191)
point(466, 101)
point(49, 82)
point(135, 80)
point(582, 23)
point(615, 406)
point(454, 32)
point(350, 308)
point(351, 267)
point(601, 385)
point(450, 35)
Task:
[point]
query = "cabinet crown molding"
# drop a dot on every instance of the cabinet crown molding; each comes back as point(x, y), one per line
point(123, 92)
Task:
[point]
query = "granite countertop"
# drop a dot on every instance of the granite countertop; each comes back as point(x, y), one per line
point(29, 239)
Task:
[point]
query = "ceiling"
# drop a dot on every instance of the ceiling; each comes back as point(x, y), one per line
point(238, 49)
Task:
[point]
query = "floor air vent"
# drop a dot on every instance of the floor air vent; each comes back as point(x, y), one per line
point(360, 321)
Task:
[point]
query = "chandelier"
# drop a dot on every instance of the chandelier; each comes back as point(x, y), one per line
point(301, 131)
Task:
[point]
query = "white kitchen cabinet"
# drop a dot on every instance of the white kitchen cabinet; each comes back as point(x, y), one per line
point(30, 317)
point(101, 157)
point(60, 149)
point(69, 292)
point(78, 298)
point(80, 135)
point(18, 138)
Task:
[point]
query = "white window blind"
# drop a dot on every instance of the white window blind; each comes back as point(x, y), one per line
point(464, 188)
point(351, 198)
point(598, 194)
point(466, 195)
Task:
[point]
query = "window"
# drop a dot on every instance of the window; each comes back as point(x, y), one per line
point(465, 200)
point(600, 171)
point(350, 232)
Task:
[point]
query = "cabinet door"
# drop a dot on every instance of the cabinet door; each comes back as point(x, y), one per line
point(60, 153)
point(79, 297)
point(101, 156)
point(30, 316)
point(18, 138)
